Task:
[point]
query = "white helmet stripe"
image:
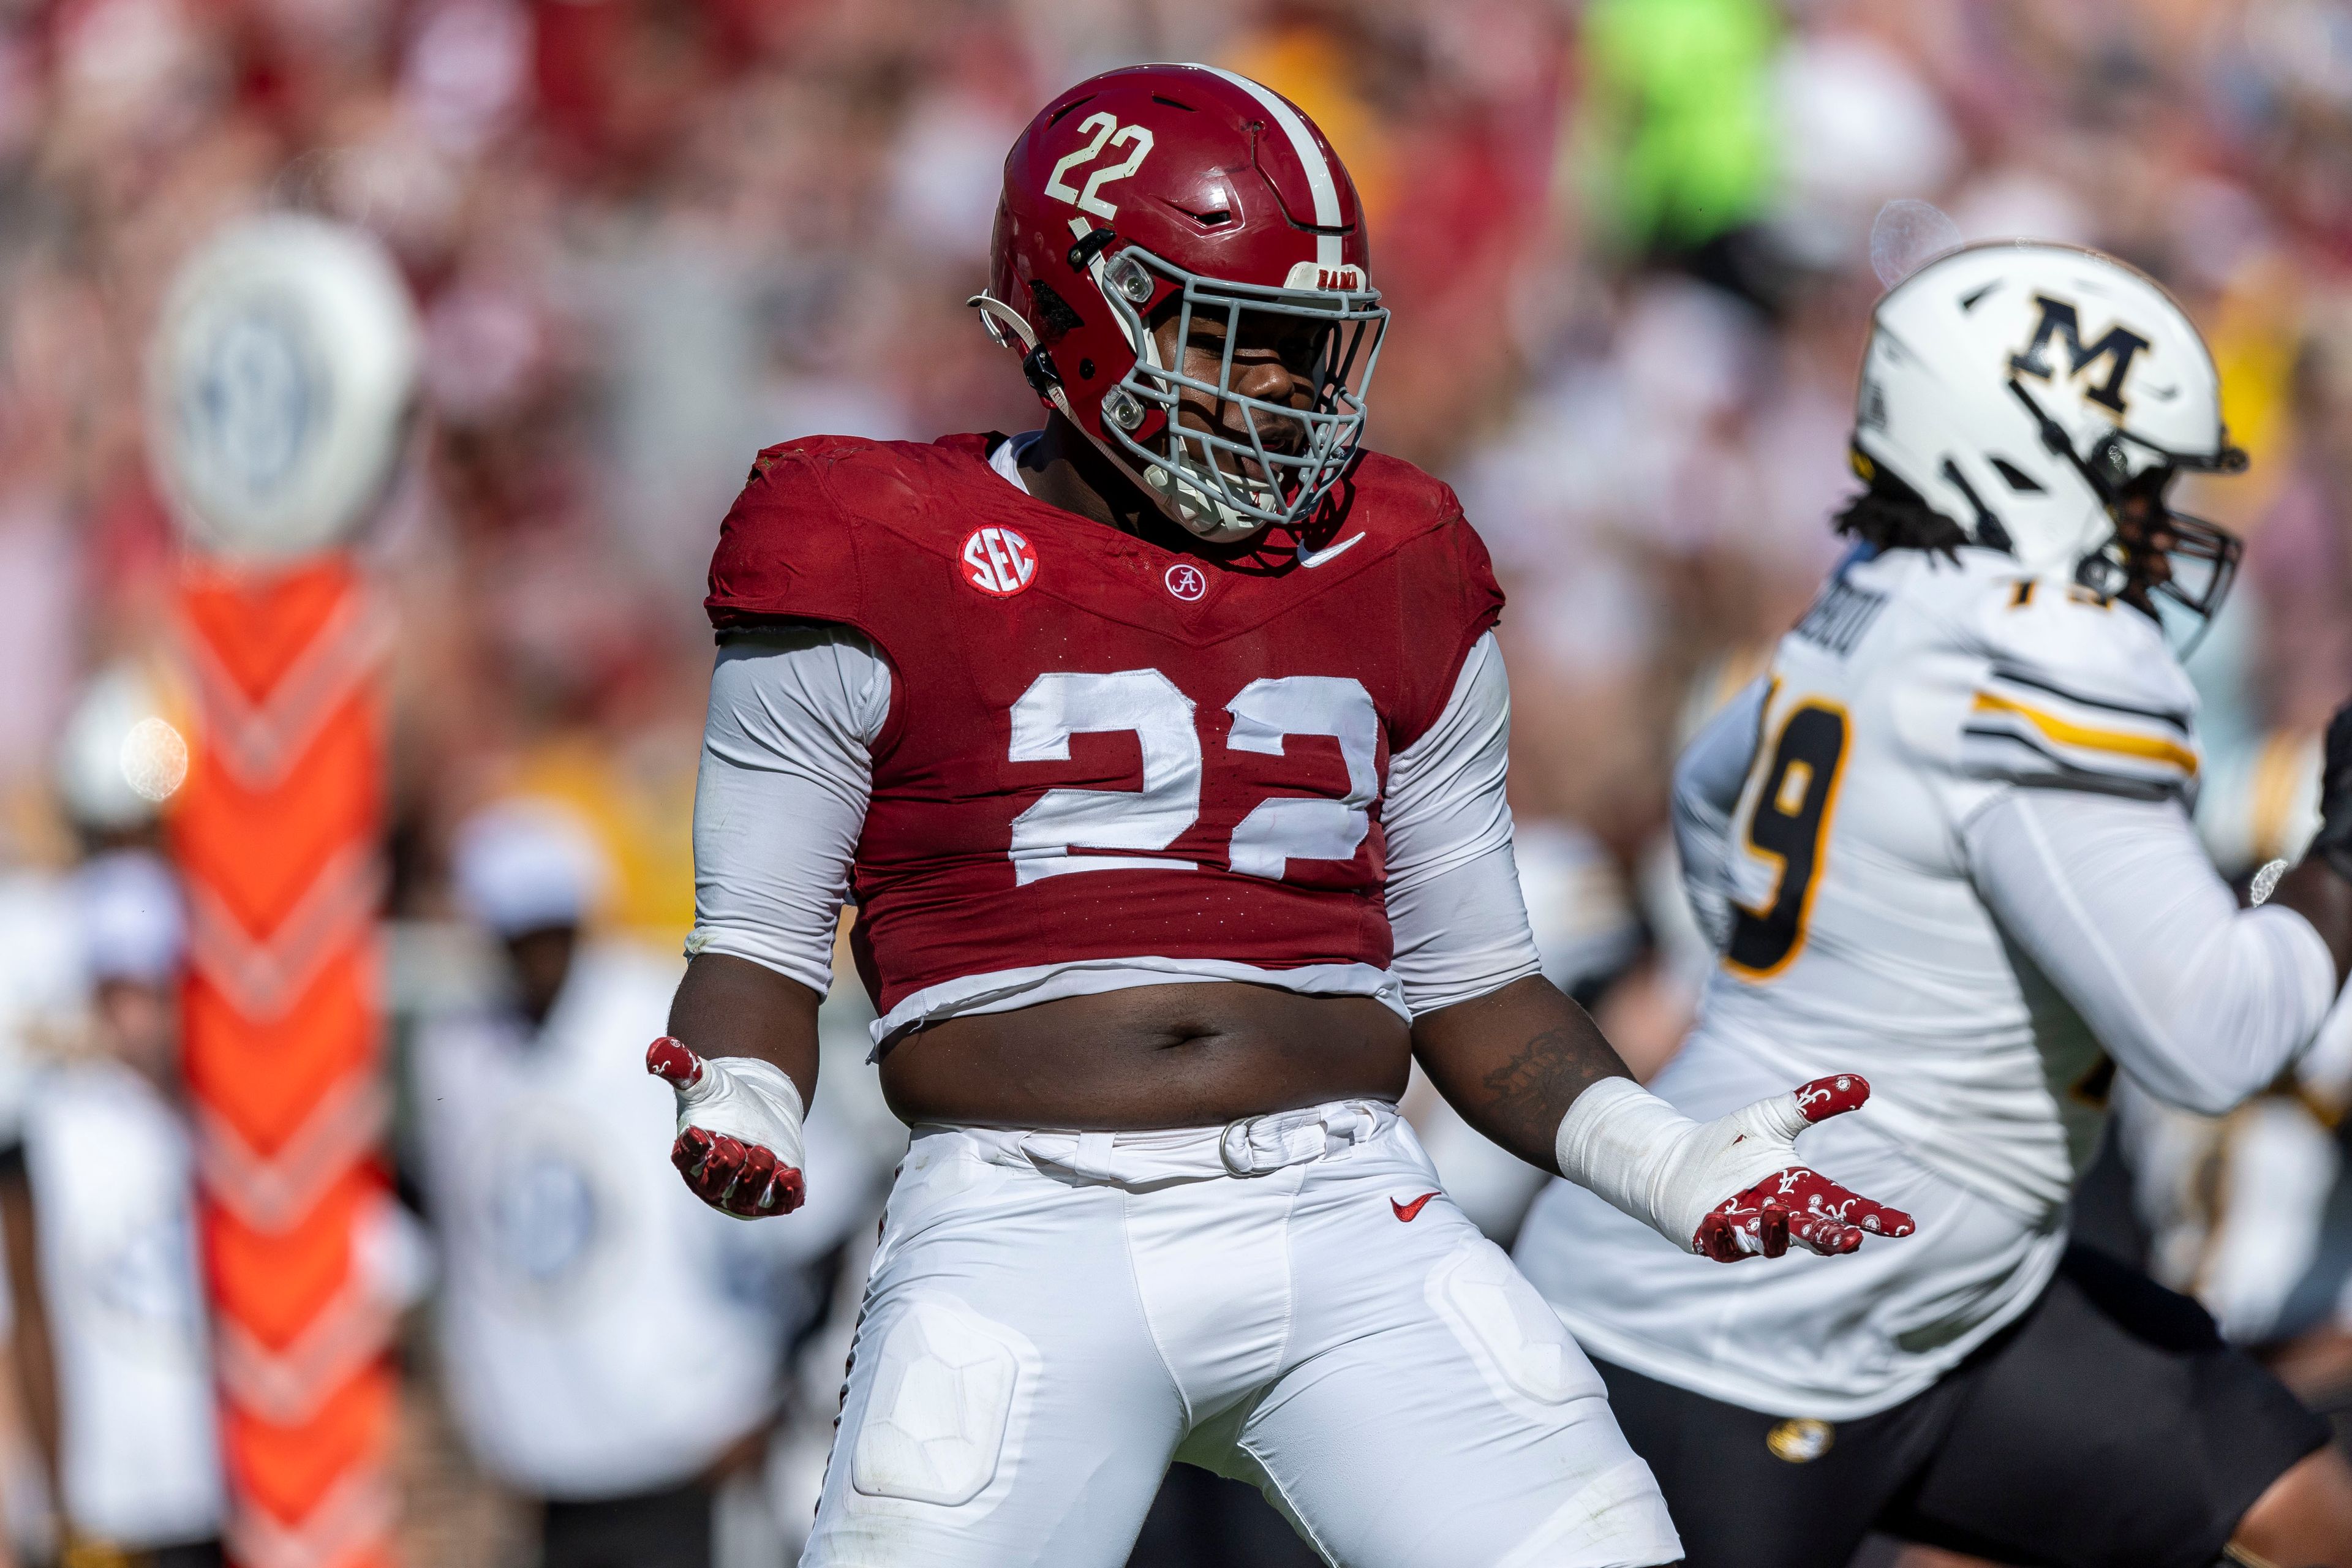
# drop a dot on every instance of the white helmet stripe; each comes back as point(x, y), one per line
point(1320, 178)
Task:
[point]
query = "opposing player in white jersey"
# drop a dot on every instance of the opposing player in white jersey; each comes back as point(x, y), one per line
point(1946, 838)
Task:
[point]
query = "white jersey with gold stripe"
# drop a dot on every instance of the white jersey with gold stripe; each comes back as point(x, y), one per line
point(1916, 690)
point(1943, 844)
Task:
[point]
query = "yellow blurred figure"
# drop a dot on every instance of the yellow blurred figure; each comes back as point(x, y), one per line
point(1313, 66)
point(643, 822)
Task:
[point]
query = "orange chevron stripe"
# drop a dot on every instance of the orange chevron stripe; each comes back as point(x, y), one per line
point(350, 1528)
point(258, 852)
point(264, 976)
point(274, 1193)
point(284, 1472)
point(287, 1385)
point(258, 624)
point(264, 1076)
point(274, 1283)
point(260, 741)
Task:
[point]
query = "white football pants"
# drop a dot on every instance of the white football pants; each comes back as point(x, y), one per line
point(1287, 1301)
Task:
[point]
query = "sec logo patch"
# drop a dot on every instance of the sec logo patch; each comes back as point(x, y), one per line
point(1186, 581)
point(999, 562)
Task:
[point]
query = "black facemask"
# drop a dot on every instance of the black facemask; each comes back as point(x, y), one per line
point(2202, 558)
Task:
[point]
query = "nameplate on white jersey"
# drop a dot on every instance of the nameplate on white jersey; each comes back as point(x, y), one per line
point(1840, 615)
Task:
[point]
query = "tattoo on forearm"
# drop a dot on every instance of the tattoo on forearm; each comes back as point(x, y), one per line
point(1527, 1095)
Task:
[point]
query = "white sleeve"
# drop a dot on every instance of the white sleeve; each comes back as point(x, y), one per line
point(1707, 780)
point(787, 770)
point(1454, 907)
point(2114, 901)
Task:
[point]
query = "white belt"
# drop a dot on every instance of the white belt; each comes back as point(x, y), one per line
point(1251, 1147)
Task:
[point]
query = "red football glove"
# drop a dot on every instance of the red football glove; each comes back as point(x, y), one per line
point(1668, 1171)
point(1797, 1202)
point(739, 1130)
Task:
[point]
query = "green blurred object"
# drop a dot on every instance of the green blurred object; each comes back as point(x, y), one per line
point(1678, 125)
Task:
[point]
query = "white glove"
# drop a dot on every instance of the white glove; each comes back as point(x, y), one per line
point(739, 1130)
point(1726, 1189)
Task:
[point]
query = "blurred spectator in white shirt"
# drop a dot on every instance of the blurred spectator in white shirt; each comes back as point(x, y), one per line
point(611, 1347)
point(112, 1331)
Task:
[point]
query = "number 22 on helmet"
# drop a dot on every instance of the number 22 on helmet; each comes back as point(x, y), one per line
point(1184, 193)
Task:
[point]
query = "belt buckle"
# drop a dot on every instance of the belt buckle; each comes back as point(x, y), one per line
point(1348, 1125)
point(1235, 1150)
point(1252, 1148)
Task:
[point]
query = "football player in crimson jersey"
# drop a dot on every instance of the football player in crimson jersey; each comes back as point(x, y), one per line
point(1163, 750)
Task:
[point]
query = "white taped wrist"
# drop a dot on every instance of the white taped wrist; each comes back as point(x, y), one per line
point(1618, 1139)
point(1666, 1170)
point(747, 1099)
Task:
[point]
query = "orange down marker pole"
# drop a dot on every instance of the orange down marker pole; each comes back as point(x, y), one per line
point(277, 836)
point(279, 386)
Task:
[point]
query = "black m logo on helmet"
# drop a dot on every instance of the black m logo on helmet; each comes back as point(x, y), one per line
point(2059, 319)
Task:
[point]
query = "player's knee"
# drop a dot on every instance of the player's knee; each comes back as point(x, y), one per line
point(1618, 1516)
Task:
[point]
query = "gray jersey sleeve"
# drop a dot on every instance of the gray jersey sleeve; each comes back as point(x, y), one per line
point(787, 770)
point(2115, 903)
point(1454, 906)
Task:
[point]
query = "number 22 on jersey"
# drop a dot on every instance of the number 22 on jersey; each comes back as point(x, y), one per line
point(1148, 705)
point(1791, 796)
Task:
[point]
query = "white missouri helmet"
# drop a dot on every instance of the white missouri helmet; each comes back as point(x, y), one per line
point(2027, 392)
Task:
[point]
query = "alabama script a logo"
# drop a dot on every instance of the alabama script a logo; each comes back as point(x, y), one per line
point(2060, 320)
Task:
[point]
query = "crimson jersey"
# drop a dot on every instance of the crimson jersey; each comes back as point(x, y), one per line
point(1097, 748)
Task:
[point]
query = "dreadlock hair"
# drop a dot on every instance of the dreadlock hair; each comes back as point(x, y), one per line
point(1890, 515)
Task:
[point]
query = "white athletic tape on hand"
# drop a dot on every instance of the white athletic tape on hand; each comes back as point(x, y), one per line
point(746, 1099)
point(1666, 1170)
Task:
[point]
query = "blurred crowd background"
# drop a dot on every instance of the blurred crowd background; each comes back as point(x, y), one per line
point(1629, 248)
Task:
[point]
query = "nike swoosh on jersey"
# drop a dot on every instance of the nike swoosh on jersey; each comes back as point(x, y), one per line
point(1312, 558)
point(1411, 1211)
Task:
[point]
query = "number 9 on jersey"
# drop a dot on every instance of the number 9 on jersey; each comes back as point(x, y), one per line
point(1788, 822)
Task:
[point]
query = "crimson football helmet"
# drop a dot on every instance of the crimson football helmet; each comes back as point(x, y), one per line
point(1182, 190)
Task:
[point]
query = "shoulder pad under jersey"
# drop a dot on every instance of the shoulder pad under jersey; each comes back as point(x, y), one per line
point(2077, 693)
point(1445, 584)
point(1389, 487)
point(789, 548)
point(1402, 502)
